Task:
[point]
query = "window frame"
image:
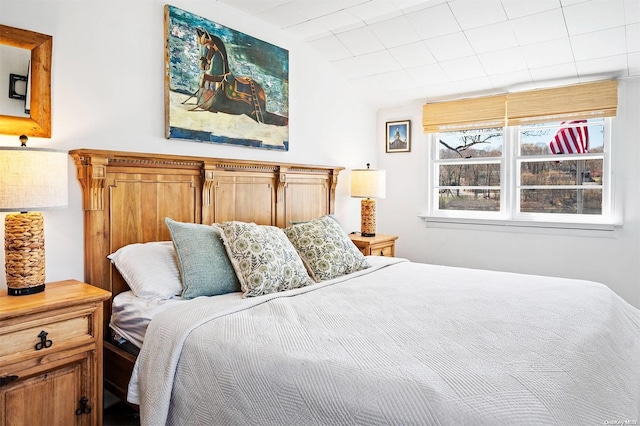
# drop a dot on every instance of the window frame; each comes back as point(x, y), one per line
point(510, 186)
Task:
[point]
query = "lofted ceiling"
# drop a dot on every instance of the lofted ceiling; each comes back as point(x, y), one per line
point(396, 52)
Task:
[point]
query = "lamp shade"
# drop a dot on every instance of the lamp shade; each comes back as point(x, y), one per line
point(368, 183)
point(32, 179)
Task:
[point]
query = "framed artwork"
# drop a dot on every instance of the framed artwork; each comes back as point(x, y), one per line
point(223, 86)
point(398, 136)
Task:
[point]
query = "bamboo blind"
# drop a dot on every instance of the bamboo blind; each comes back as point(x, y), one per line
point(464, 114)
point(588, 100)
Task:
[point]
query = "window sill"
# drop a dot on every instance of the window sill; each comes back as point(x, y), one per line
point(515, 226)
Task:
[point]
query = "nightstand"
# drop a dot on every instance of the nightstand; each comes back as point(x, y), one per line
point(51, 355)
point(380, 245)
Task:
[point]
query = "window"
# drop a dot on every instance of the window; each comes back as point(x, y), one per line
point(540, 172)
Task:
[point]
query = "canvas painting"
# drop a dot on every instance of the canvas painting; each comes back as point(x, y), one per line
point(224, 86)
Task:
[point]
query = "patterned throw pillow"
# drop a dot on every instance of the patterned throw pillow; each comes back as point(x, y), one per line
point(325, 249)
point(263, 258)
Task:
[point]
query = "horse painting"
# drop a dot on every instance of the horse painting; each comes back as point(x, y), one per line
point(222, 91)
point(223, 86)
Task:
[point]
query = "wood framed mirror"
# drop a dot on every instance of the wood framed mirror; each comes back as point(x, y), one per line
point(41, 46)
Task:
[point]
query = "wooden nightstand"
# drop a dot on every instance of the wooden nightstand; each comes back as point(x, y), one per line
point(51, 356)
point(380, 245)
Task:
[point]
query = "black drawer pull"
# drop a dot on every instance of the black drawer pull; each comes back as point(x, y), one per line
point(43, 343)
point(84, 408)
point(7, 379)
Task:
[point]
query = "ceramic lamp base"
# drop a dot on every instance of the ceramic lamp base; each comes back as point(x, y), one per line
point(368, 217)
point(24, 253)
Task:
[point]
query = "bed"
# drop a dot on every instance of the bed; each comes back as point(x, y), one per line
point(392, 342)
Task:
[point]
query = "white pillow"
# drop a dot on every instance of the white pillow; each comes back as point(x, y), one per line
point(150, 269)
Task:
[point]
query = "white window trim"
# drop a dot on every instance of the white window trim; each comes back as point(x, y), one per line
point(509, 218)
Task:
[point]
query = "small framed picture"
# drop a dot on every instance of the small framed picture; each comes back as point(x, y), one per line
point(399, 136)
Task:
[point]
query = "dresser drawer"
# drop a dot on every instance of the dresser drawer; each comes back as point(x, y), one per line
point(378, 245)
point(382, 250)
point(37, 336)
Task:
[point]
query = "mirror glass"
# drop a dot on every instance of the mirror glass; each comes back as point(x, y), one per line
point(13, 60)
point(37, 89)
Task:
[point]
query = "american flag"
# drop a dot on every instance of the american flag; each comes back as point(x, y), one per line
point(571, 139)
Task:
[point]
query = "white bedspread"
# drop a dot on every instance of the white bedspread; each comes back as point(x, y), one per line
point(402, 344)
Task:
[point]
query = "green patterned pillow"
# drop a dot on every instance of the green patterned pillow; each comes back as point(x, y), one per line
point(205, 269)
point(325, 249)
point(263, 258)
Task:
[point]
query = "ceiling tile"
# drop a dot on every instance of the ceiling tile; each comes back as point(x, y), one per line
point(475, 87)
point(309, 30)
point(314, 9)
point(633, 61)
point(393, 81)
point(250, 7)
point(450, 46)
point(503, 61)
point(548, 53)
point(613, 66)
point(631, 11)
point(360, 41)
point(540, 27)
point(518, 8)
point(409, 6)
point(477, 13)
point(366, 65)
point(427, 75)
point(553, 72)
point(331, 48)
point(503, 82)
point(433, 22)
point(412, 55)
point(633, 38)
point(599, 44)
point(491, 37)
point(570, 2)
point(395, 32)
point(463, 69)
point(324, 25)
point(439, 93)
point(580, 17)
point(374, 10)
point(280, 17)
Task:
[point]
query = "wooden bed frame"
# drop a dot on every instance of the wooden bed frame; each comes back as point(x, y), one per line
point(127, 195)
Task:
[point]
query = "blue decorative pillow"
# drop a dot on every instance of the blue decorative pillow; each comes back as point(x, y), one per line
point(263, 258)
point(204, 265)
point(325, 249)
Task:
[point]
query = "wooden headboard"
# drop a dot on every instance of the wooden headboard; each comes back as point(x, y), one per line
point(127, 195)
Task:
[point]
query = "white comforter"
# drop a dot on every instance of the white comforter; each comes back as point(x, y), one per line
point(401, 343)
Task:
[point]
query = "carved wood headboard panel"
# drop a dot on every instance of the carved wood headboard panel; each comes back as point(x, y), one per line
point(127, 195)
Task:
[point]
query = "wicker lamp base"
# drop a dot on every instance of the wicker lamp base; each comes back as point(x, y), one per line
point(368, 217)
point(24, 253)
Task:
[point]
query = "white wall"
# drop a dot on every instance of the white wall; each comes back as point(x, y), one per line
point(613, 260)
point(108, 93)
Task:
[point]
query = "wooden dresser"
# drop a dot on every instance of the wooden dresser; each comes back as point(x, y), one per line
point(380, 245)
point(51, 356)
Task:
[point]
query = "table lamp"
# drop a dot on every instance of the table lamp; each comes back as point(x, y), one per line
point(31, 179)
point(368, 184)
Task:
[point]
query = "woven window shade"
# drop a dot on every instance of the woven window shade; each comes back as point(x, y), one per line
point(589, 100)
point(464, 114)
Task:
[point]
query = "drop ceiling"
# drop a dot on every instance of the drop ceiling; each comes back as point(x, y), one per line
point(397, 52)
